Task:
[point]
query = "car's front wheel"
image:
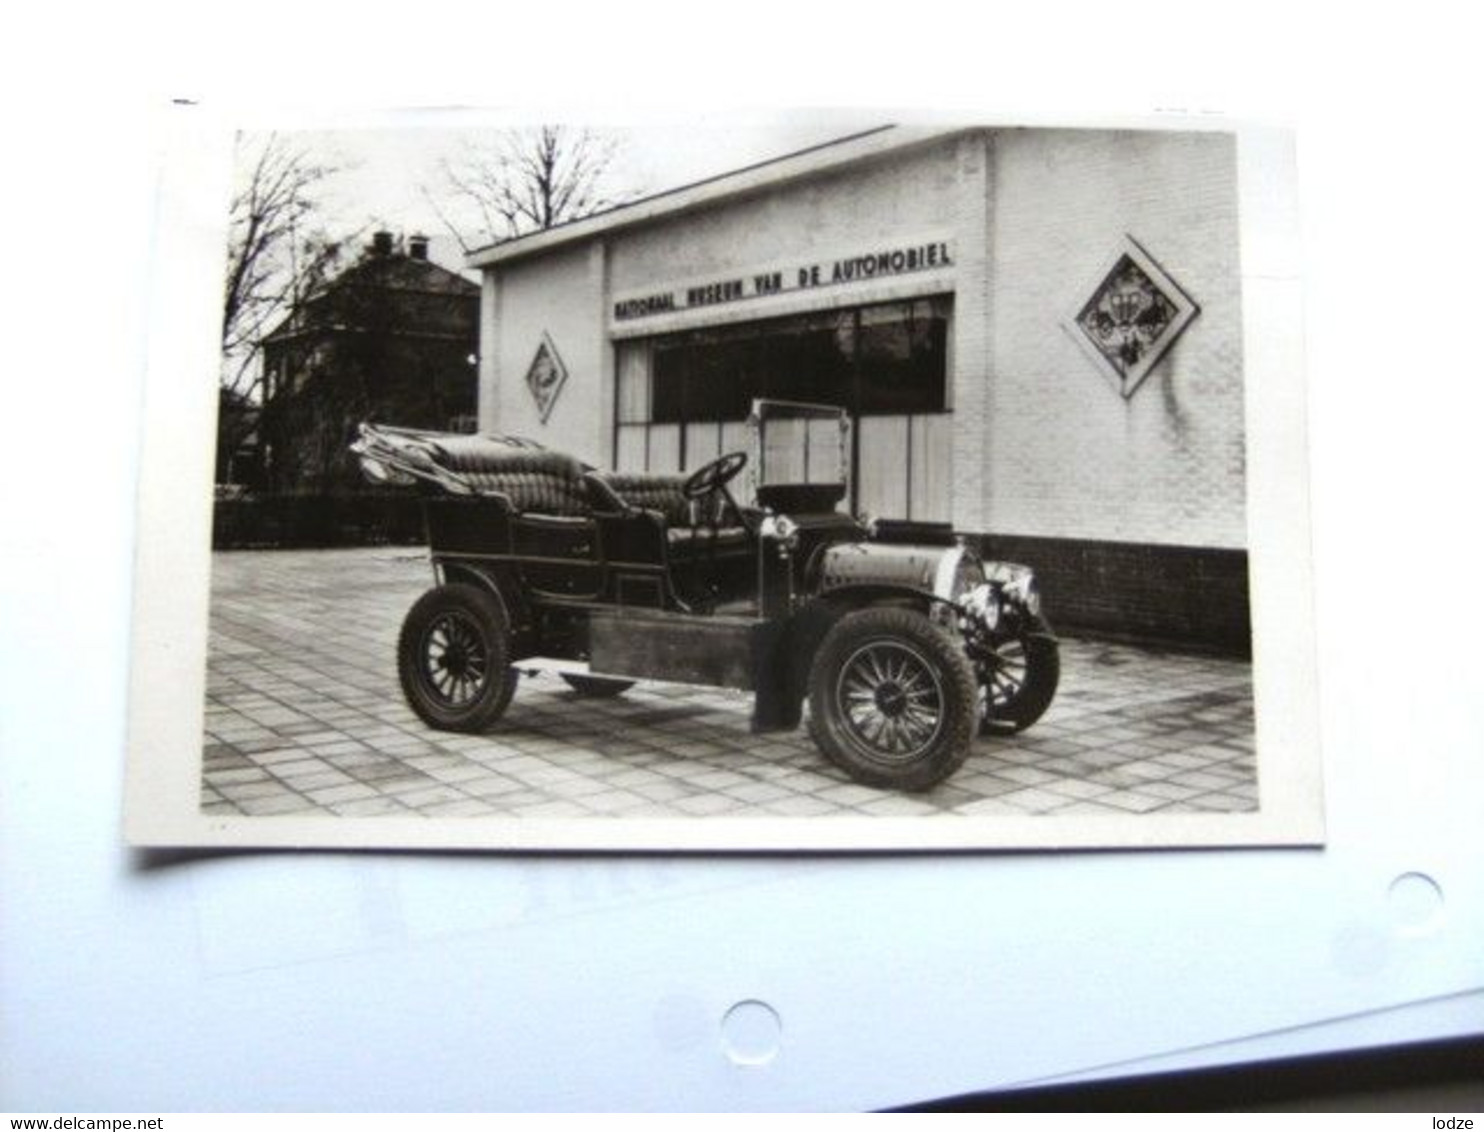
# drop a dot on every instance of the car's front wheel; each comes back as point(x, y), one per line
point(453, 658)
point(892, 699)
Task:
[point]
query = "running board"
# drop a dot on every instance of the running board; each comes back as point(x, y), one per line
point(722, 652)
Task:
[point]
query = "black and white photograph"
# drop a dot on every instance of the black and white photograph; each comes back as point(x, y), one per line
point(789, 481)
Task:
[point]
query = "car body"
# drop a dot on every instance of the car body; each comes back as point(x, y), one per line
point(902, 641)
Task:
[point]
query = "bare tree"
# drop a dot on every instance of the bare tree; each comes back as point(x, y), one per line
point(270, 208)
point(526, 180)
point(276, 257)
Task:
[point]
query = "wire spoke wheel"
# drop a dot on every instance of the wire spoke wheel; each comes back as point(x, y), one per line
point(1007, 679)
point(455, 658)
point(1019, 682)
point(891, 699)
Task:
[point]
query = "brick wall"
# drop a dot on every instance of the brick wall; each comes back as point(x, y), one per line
point(1067, 455)
point(1178, 594)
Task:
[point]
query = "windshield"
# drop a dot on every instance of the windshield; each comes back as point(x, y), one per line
point(795, 444)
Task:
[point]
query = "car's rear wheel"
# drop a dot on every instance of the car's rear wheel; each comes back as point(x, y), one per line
point(596, 687)
point(453, 658)
point(892, 699)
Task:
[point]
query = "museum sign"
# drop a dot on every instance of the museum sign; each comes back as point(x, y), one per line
point(876, 264)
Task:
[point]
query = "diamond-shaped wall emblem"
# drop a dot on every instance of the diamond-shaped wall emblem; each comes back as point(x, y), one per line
point(546, 376)
point(1132, 317)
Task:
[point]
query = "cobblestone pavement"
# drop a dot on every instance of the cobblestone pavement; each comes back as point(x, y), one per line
point(304, 715)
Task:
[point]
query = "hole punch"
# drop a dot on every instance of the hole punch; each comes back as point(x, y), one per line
point(750, 1033)
point(1416, 903)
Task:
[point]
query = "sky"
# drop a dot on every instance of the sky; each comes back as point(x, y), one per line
point(386, 175)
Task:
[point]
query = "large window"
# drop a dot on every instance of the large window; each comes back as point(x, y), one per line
point(682, 398)
point(890, 358)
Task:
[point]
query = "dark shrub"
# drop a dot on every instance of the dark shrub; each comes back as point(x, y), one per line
point(300, 521)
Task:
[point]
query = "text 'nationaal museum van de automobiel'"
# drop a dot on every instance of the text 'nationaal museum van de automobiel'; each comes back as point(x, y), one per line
point(1038, 333)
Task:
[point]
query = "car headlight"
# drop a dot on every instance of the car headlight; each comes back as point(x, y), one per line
point(983, 605)
point(968, 573)
point(780, 528)
point(1018, 584)
point(968, 576)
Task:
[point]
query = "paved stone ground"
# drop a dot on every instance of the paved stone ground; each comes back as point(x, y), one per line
point(304, 715)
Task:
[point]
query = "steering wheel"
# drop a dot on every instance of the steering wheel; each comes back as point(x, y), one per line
point(714, 476)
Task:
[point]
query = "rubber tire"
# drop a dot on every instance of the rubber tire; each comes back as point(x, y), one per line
point(1042, 675)
point(488, 616)
point(596, 687)
point(959, 690)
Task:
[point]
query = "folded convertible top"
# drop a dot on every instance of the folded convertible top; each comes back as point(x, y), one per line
point(453, 461)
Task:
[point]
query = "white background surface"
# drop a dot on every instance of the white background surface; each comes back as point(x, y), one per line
point(419, 981)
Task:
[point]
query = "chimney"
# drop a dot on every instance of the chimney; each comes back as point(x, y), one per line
point(381, 243)
point(417, 246)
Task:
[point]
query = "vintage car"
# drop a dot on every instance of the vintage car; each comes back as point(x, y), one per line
point(904, 643)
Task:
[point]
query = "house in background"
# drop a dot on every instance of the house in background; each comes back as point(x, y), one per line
point(238, 452)
point(392, 339)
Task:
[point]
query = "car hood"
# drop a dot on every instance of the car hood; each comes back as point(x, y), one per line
point(926, 568)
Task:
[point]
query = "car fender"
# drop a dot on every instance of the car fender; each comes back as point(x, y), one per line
point(795, 648)
point(499, 581)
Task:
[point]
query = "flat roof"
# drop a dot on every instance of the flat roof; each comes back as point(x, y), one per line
point(791, 166)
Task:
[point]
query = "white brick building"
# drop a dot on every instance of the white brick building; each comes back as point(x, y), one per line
point(1038, 331)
